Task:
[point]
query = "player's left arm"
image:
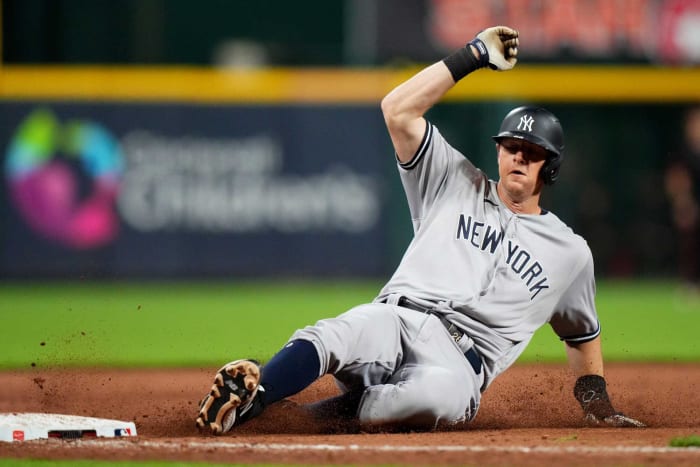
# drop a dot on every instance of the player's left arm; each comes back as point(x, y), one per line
point(586, 361)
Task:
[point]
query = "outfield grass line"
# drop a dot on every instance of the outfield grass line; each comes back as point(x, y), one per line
point(149, 324)
point(178, 445)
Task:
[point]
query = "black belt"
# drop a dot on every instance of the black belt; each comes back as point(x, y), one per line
point(471, 355)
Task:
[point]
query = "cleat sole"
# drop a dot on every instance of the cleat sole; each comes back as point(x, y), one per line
point(234, 384)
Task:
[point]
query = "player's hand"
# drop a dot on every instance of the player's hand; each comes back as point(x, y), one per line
point(618, 420)
point(591, 392)
point(501, 43)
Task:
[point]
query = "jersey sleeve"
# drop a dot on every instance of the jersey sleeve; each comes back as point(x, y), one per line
point(429, 171)
point(575, 318)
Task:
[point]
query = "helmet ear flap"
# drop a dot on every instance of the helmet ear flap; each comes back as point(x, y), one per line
point(550, 170)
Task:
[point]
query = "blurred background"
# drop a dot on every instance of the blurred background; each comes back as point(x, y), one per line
point(183, 139)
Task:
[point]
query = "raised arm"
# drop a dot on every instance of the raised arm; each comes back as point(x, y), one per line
point(586, 361)
point(404, 106)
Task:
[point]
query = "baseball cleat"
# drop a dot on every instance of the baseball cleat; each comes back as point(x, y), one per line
point(234, 397)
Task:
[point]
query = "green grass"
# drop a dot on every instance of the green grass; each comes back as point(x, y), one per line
point(201, 324)
point(150, 324)
point(640, 321)
point(685, 441)
point(660, 321)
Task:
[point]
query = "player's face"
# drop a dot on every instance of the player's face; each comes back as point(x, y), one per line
point(519, 165)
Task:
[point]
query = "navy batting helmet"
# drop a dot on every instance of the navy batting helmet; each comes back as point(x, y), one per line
point(538, 126)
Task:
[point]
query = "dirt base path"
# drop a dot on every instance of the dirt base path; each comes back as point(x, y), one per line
point(528, 417)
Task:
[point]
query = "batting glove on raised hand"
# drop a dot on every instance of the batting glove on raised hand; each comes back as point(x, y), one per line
point(499, 46)
point(590, 391)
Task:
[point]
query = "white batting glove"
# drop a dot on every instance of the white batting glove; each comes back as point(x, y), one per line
point(501, 44)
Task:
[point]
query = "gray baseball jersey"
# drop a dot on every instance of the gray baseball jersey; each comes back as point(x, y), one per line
point(499, 275)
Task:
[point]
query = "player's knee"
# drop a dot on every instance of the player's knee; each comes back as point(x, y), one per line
point(410, 406)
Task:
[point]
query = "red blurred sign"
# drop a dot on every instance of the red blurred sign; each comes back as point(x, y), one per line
point(679, 39)
point(655, 29)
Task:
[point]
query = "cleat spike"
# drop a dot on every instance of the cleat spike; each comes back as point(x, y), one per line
point(219, 380)
point(251, 383)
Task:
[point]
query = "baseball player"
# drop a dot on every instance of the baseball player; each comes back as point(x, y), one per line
point(486, 268)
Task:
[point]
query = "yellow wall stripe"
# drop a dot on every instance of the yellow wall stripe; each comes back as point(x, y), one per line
point(337, 85)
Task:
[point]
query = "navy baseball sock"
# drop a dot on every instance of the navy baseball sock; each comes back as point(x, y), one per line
point(290, 370)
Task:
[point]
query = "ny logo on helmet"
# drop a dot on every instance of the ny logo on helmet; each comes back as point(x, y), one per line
point(525, 123)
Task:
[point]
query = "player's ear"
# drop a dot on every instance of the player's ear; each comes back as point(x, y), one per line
point(498, 155)
point(498, 151)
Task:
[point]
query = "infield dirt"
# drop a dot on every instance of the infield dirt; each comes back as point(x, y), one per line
point(528, 417)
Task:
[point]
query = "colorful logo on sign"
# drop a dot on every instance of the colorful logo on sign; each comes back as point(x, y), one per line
point(64, 179)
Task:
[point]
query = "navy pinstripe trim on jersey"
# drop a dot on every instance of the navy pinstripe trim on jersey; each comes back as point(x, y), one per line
point(427, 136)
point(580, 339)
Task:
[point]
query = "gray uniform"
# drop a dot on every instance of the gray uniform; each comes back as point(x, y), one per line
point(497, 275)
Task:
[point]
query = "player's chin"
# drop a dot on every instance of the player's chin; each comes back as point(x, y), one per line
point(519, 186)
